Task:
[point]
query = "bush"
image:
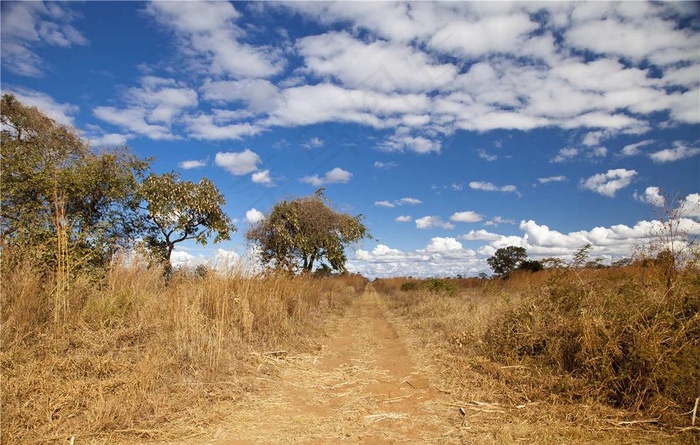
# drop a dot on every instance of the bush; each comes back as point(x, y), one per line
point(618, 335)
point(431, 285)
point(635, 346)
point(410, 286)
point(439, 286)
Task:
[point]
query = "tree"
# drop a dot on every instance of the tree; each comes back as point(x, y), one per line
point(530, 265)
point(300, 233)
point(182, 210)
point(507, 259)
point(60, 199)
point(63, 207)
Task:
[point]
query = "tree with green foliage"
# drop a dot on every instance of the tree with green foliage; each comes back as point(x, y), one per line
point(506, 260)
point(180, 210)
point(64, 208)
point(62, 202)
point(300, 233)
point(530, 265)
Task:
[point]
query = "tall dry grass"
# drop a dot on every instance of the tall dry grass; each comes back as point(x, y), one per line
point(617, 336)
point(139, 359)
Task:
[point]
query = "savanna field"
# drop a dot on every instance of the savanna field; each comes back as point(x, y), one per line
point(606, 355)
point(343, 223)
point(129, 358)
point(105, 340)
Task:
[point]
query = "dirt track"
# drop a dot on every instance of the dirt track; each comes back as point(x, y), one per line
point(363, 387)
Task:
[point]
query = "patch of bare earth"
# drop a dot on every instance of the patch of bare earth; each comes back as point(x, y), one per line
point(365, 386)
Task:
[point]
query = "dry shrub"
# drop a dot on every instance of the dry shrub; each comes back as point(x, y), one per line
point(630, 342)
point(617, 336)
point(138, 359)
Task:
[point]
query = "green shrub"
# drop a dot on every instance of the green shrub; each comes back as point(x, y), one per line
point(410, 286)
point(431, 285)
point(439, 286)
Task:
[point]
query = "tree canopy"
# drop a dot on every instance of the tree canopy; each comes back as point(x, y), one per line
point(54, 186)
point(300, 233)
point(182, 210)
point(69, 207)
point(508, 259)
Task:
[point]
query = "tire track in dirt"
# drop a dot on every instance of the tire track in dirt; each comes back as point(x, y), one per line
point(363, 388)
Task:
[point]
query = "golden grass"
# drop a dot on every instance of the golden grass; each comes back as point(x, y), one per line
point(592, 356)
point(137, 359)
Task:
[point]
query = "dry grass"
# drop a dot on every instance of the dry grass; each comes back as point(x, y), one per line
point(137, 359)
point(594, 356)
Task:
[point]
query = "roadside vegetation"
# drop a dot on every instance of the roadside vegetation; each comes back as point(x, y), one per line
point(610, 347)
point(103, 339)
point(135, 358)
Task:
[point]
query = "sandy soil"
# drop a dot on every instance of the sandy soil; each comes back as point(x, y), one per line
point(365, 386)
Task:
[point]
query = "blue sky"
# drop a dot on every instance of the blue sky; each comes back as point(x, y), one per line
point(455, 128)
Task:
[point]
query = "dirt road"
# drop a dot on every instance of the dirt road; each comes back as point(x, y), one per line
point(364, 387)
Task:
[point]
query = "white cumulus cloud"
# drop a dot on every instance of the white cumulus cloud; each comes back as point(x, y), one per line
point(608, 183)
point(429, 222)
point(335, 176)
point(210, 39)
point(679, 151)
point(651, 195)
point(468, 217)
point(262, 177)
point(253, 215)
point(238, 163)
point(192, 163)
point(447, 244)
point(690, 206)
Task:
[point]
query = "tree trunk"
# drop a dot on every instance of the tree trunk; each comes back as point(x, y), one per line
point(310, 267)
point(167, 265)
